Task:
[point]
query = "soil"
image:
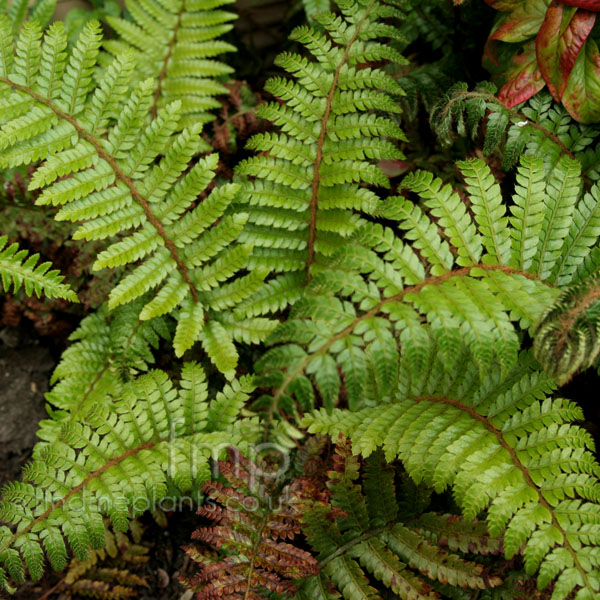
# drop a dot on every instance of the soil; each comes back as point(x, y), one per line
point(25, 366)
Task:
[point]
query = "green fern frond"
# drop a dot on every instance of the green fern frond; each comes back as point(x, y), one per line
point(116, 461)
point(109, 349)
point(19, 269)
point(175, 44)
point(567, 336)
point(361, 537)
point(20, 11)
point(304, 193)
point(504, 447)
point(468, 281)
point(108, 163)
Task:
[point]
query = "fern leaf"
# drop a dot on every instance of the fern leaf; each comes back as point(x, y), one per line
point(330, 136)
point(19, 269)
point(108, 462)
point(486, 442)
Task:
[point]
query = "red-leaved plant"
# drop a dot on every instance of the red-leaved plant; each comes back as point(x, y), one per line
point(547, 42)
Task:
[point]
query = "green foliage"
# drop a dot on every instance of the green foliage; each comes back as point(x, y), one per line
point(109, 163)
point(19, 11)
point(566, 337)
point(402, 322)
point(504, 447)
point(116, 460)
point(476, 280)
point(109, 349)
point(20, 269)
point(174, 43)
point(308, 185)
point(538, 128)
point(364, 535)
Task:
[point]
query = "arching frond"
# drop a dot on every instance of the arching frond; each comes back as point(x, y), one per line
point(109, 163)
point(504, 447)
point(115, 461)
point(305, 190)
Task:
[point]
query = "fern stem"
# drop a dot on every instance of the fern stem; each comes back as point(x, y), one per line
point(119, 175)
point(519, 465)
point(320, 142)
point(437, 280)
point(165, 65)
point(254, 551)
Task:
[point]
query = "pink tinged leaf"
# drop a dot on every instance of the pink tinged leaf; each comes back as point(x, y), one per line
point(586, 4)
point(581, 97)
point(522, 23)
point(524, 78)
point(559, 41)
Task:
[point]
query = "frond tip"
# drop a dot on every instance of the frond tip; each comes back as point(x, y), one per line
point(19, 269)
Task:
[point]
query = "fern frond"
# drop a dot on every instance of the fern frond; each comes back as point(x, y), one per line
point(567, 336)
point(176, 44)
point(504, 447)
point(385, 295)
point(110, 164)
point(115, 461)
point(109, 349)
point(308, 185)
point(367, 541)
point(101, 576)
point(252, 521)
point(19, 269)
point(21, 11)
point(538, 128)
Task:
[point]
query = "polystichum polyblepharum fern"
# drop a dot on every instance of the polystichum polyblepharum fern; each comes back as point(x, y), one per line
point(109, 163)
point(364, 532)
point(409, 322)
point(255, 519)
point(173, 43)
point(306, 191)
point(504, 447)
point(115, 460)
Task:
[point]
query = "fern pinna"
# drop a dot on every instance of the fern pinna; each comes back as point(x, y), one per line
point(253, 515)
point(19, 269)
point(173, 42)
point(116, 460)
point(504, 447)
point(304, 192)
point(109, 163)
